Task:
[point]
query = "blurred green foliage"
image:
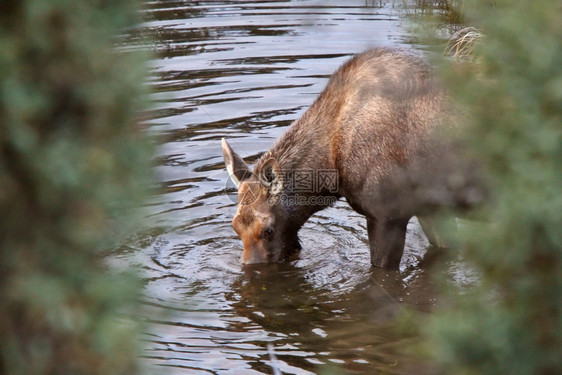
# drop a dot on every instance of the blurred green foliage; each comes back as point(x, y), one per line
point(511, 322)
point(72, 167)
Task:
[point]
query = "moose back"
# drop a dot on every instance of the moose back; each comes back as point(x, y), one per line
point(369, 138)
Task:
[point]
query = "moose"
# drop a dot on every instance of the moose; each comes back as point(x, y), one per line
point(374, 134)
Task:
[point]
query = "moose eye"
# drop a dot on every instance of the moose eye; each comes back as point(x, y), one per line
point(268, 234)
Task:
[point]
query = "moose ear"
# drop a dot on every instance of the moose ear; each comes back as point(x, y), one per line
point(236, 167)
point(271, 176)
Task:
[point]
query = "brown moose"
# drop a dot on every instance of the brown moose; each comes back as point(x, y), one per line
point(369, 137)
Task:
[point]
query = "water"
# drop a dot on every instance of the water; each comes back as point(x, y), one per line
point(244, 70)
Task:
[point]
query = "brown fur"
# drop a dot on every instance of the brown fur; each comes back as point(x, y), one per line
point(374, 125)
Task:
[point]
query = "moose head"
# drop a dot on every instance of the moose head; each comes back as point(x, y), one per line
point(262, 222)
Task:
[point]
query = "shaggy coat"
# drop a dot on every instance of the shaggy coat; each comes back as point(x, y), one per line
point(374, 129)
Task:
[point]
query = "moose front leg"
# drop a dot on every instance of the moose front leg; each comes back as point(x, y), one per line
point(386, 240)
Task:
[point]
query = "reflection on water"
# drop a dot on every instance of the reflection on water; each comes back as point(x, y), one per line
point(244, 70)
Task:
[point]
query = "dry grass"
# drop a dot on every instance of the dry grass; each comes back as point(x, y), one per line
point(461, 44)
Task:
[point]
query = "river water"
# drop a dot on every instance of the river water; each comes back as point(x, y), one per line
point(244, 70)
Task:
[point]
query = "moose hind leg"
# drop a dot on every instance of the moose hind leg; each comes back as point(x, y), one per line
point(431, 231)
point(386, 241)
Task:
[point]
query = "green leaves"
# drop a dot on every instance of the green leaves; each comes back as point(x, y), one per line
point(512, 321)
point(73, 167)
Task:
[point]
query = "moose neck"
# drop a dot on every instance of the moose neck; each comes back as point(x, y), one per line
point(309, 143)
point(305, 156)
